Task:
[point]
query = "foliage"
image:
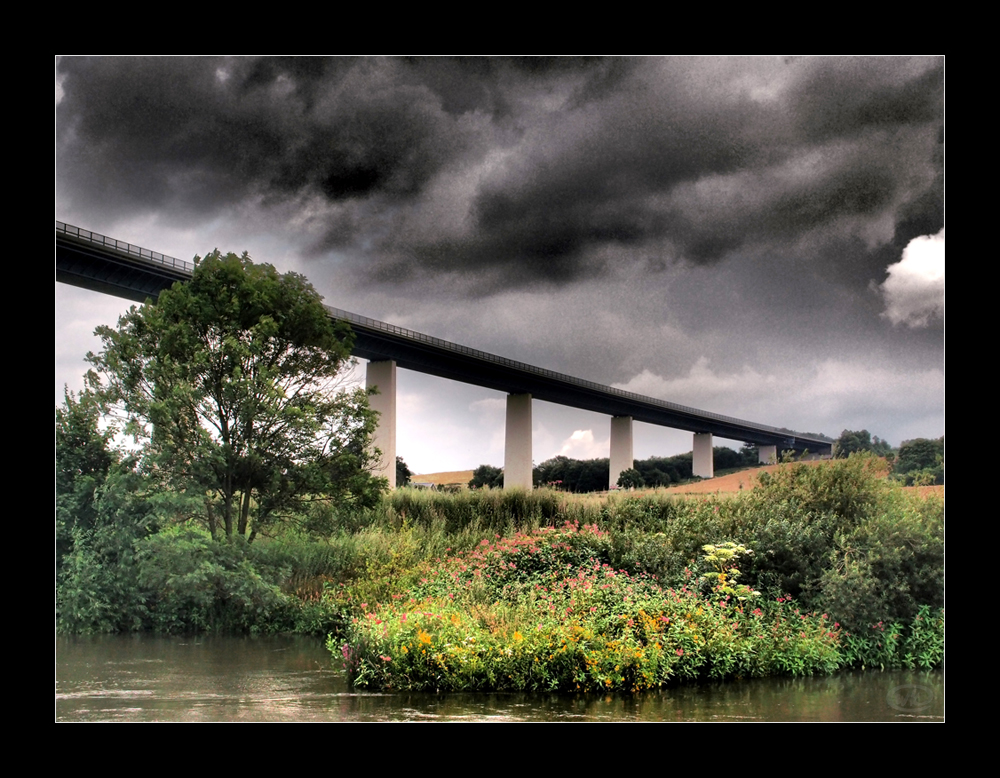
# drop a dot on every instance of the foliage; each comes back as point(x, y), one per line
point(840, 538)
point(128, 574)
point(630, 479)
point(98, 589)
point(403, 473)
point(194, 584)
point(84, 458)
point(849, 490)
point(591, 475)
point(895, 646)
point(487, 475)
point(539, 612)
point(859, 441)
point(575, 475)
point(231, 380)
point(725, 575)
point(663, 471)
point(920, 462)
point(493, 510)
point(836, 535)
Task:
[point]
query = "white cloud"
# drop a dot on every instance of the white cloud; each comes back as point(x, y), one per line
point(826, 396)
point(914, 290)
point(490, 407)
point(702, 387)
point(581, 445)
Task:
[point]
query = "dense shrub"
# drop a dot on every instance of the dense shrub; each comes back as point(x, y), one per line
point(539, 612)
point(196, 584)
point(832, 538)
point(97, 587)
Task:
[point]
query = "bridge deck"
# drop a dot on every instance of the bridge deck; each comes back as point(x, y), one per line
point(103, 264)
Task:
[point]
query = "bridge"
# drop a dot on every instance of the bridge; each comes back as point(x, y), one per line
point(99, 263)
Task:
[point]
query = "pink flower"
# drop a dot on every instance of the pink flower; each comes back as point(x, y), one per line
point(680, 652)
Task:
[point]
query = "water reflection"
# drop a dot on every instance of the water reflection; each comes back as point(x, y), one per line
point(144, 678)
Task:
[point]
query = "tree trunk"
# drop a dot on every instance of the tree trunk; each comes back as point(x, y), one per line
point(213, 523)
point(244, 513)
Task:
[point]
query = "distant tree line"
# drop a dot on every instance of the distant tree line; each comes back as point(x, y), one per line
point(856, 441)
point(917, 462)
point(920, 462)
point(403, 472)
point(591, 475)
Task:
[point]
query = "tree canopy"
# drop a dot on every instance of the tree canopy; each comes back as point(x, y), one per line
point(855, 441)
point(84, 458)
point(403, 472)
point(487, 475)
point(630, 479)
point(921, 461)
point(233, 383)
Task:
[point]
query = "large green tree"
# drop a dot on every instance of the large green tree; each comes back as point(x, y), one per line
point(921, 461)
point(84, 458)
point(856, 441)
point(487, 475)
point(403, 472)
point(233, 382)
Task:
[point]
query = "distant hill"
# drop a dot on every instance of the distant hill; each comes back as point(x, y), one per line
point(733, 482)
point(452, 477)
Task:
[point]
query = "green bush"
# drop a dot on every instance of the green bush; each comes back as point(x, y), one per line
point(196, 584)
point(97, 589)
point(834, 536)
point(540, 612)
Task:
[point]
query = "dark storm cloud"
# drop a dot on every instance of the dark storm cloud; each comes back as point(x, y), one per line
point(203, 133)
point(840, 97)
point(504, 172)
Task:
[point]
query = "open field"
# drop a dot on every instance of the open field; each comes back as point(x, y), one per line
point(733, 482)
point(450, 477)
point(726, 484)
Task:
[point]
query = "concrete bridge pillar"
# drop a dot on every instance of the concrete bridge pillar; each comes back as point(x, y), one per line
point(703, 465)
point(621, 448)
point(767, 455)
point(517, 445)
point(383, 376)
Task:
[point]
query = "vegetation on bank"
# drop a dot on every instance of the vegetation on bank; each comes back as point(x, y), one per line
point(915, 462)
point(833, 566)
point(247, 504)
point(592, 475)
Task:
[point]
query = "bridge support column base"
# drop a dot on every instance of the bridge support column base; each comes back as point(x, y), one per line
point(517, 446)
point(382, 375)
point(767, 455)
point(703, 465)
point(621, 448)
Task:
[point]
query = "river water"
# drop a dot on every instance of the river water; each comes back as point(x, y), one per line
point(148, 678)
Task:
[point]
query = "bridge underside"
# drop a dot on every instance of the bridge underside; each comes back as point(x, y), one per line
point(112, 267)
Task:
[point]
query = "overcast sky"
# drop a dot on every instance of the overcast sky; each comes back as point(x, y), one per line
point(759, 237)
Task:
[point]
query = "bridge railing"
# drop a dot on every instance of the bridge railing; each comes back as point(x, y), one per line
point(375, 324)
point(127, 248)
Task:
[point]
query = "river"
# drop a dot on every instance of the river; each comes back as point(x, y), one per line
point(149, 678)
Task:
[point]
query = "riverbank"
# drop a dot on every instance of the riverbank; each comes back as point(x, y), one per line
point(146, 678)
point(854, 561)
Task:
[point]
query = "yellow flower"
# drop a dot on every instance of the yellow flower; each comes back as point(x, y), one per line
point(424, 637)
point(518, 636)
